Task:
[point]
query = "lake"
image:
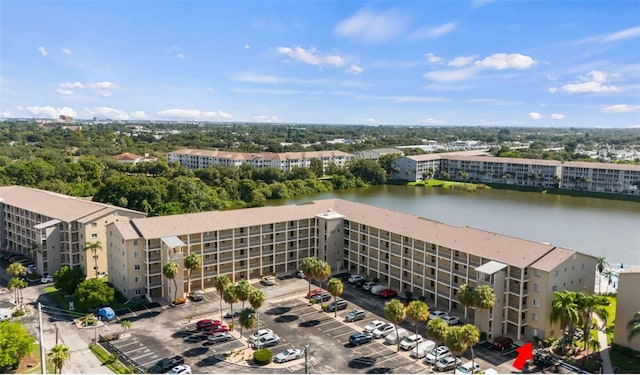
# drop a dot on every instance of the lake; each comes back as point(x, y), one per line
point(600, 227)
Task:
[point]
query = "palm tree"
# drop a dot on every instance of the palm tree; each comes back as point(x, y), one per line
point(466, 297)
point(16, 269)
point(608, 274)
point(307, 267)
point(125, 325)
point(594, 345)
point(321, 271)
point(59, 355)
point(589, 305)
point(243, 291)
point(437, 329)
point(230, 296)
point(455, 341)
point(471, 336)
point(191, 262)
point(335, 287)
point(634, 326)
point(395, 311)
point(170, 271)
point(601, 264)
point(565, 311)
point(17, 284)
point(247, 320)
point(94, 247)
point(484, 297)
point(417, 311)
point(222, 282)
point(256, 298)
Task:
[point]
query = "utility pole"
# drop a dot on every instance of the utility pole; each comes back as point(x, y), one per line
point(56, 333)
point(306, 358)
point(43, 366)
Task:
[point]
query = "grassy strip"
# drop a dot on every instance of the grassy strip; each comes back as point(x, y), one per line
point(108, 360)
point(611, 310)
point(449, 185)
point(625, 364)
point(63, 301)
point(35, 353)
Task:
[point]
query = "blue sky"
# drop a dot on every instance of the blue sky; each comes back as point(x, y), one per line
point(500, 63)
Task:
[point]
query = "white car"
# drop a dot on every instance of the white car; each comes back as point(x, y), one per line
point(354, 278)
point(447, 363)
point(469, 368)
point(268, 280)
point(182, 369)
point(369, 285)
point(288, 355)
point(373, 325)
point(266, 341)
point(410, 342)
point(383, 331)
point(437, 354)
point(260, 333)
point(46, 279)
point(437, 314)
point(218, 337)
point(451, 320)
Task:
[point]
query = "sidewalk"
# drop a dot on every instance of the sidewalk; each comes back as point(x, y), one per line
point(607, 367)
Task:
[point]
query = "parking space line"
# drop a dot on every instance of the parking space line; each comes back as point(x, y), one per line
point(148, 352)
point(153, 359)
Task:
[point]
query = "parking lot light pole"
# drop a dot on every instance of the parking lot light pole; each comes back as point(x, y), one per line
point(306, 358)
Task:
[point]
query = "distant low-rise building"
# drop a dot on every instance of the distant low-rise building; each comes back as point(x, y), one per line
point(129, 158)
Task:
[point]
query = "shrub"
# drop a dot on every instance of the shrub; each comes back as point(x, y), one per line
point(262, 357)
point(312, 301)
point(483, 336)
point(18, 313)
point(230, 326)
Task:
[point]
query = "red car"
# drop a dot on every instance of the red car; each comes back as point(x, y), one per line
point(205, 323)
point(388, 293)
point(215, 329)
point(314, 293)
point(502, 343)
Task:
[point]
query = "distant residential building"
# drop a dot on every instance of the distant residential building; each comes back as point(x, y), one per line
point(376, 153)
point(601, 177)
point(286, 161)
point(65, 119)
point(627, 305)
point(130, 158)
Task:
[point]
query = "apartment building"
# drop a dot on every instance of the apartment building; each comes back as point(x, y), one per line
point(404, 252)
point(286, 161)
point(601, 177)
point(627, 305)
point(416, 167)
point(54, 229)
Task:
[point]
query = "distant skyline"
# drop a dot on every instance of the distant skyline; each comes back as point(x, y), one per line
point(481, 62)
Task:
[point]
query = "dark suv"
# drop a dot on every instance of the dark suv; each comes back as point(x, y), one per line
point(339, 305)
point(359, 338)
point(167, 364)
point(502, 343)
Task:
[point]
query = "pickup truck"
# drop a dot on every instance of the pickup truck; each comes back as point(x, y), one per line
point(166, 364)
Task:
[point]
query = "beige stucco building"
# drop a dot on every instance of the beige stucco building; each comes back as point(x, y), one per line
point(628, 303)
point(404, 252)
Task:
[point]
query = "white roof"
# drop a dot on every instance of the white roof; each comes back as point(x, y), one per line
point(491, 267)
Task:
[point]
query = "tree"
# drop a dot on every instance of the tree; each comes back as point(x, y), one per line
point(15, 344)
point(125, 325)
point(243, 291)
point(316, 167)
point(608, 274)
point(222, 282)
point(191, 262)
point(601, 264)
point(16, 269)
point(67, 279)
point(588, 306)
point(395, 311)
point(230, 296)
point(484, 297)
point(59, 355)
point(335, 287)
point(94, 293)
point(307, 266)
point(417, 311)
point(321, 270)
point(247, 320)
point(437, 329)
point(594, 345)
point(17, 284)
point(170, 271)
point(565, 311)
point(455, 341)
point(466, 297)
point(634, 326)
point(94, 247)
point(471, 336)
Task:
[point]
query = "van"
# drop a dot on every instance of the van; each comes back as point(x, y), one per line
point(392, 338)
point(354, 315)
point(422, 349)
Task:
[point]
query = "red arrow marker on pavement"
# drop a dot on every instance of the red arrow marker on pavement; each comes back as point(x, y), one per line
point(525, 353)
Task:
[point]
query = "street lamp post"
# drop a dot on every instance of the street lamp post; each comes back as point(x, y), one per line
point(306, 358)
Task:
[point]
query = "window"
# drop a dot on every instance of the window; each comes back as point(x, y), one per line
point(135, 242)
point(536, 303)
point(136, 254)
point(137, 292)
point(554, 288)
point(536, 287)
point(136, 267)
point(94, 224)
point(94, 235)
point(536, 273)
point(137, 280)
point(534, 316)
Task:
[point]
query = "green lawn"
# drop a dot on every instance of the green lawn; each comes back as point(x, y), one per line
point(628, 364)
point(107, 360)
point(611, 309)
point(63, 301)
point(35, 353)
point(449, 184)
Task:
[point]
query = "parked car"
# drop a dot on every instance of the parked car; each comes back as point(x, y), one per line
point(337, 305)
point(395, 337)
point(359, 339)
point(383, 330)
point(205, 323)
point(196, 296)
point(447, 363)
point(354, 315)
point(422, 349)
point(360, 283)
point(260, 333)
point(377, 289)
point(502, 343)
point(181, 369)
point(215, 329)
point(323, 297)
point(232, 313)
point(46, 279)
point(437, 314)
point(299, 274)
point(436, 353)
point(315, 292)
point(288, 355)
point(166, 364)
point(219, 337)
point(266, 341)
point(468, 368)
point(268, 280)
point(451, 320)
point(411, 342)
point(354, 278)
point(388, 293)
point(369, 328)
point(369, 284)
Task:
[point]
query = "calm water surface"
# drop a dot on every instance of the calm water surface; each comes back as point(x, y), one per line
point(599, 227)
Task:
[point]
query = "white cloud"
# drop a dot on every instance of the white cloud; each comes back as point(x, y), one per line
point(501, 61)
point(193, 114)
point(105, 85)
point(433, 59)
point(138, 115)
point(451, 75)
point(553, 90)
point(370, 120)
point(461, 61)
point(446, 87)
point(354, 69)
point(535, 115)
point(246, 46)
point(71, 85)
point(64, 92)
point(105, 112)
point(66, 51)
point(632, 32)
point(621, 108)
point(557, 116)
point(255, 78)
point(102, 89)
point(266, 91)
point(49, 111)
point(43, 51)
point(266, 118)
point(180, 56)
point(431, 121)
point(372, 27)
point(435, 32)
point(594, 82)
point(311, 56)
point(211, 90)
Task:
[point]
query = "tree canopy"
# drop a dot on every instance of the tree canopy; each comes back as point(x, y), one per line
point(15, 344)
point(94, 293)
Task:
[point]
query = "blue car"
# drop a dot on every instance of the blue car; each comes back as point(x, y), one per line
point(359, 339)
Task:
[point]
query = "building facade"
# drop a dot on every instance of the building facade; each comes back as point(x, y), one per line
point(627, 305)
point(404, 252)
point(54, 229)
point(601, 177)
